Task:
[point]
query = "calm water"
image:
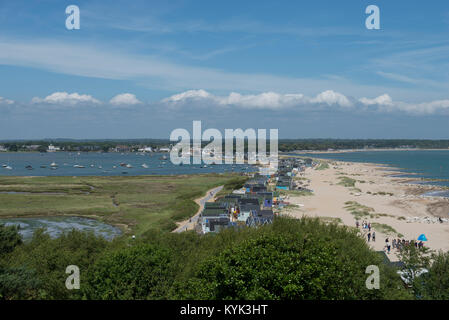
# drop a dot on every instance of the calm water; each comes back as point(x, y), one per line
point(55, 226)
point(102, 164)
point(431, 164)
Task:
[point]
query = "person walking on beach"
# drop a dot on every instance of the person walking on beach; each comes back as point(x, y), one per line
point(393, 243)
point(369, 236)
point(374, 236)
point(388, 248)
point(369, 226)
point(357, 223)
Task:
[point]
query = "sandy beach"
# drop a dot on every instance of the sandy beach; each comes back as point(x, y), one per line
point(394, 206)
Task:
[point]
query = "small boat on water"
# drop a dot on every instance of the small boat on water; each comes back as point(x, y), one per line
point(163, 158)
point(122, 164)
point(8, 168)
point(78, 166)
point(43, 166)
point(129, 166)
point(4, 165)
point(114, 167)
point(145, 166)
point(53, 165)
point(29, 167)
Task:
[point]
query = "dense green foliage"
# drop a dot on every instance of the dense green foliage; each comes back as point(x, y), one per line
point(139, 272)
point(337, 144)
point(38, 267)
point(435, 284)
point(289, 259)
point(9, 239)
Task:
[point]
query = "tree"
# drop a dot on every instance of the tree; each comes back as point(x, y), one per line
point(139, 272)
point(292, 260)
point(434, 285)
point(416, 261)
point(9, 239)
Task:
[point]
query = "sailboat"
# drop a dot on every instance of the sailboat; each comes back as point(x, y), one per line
point(8, 168)
point(145, 166)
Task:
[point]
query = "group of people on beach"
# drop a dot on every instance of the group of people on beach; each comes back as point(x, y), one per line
point(399, 244)
point(367, 226)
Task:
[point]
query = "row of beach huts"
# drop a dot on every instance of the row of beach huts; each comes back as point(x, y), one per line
point(257, 203)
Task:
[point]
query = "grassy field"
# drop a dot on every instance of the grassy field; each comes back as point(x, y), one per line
point(140, 203)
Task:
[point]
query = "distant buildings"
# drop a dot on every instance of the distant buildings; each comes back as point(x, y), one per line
point(52, 148)
point(145, 149)
point(3, 149)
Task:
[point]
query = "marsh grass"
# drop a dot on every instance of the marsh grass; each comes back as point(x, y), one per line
point(140, 202)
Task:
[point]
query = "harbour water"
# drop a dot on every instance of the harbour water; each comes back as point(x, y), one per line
point(55, 226)
point(103, 164)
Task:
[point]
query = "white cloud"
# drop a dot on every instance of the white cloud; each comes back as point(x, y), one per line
point(296, 102)
point(330, 97)
point(4, 101)
point(383, 100)
point(384, 103)
point(188, 95)
point(327, 99)
point(64, 98)
point(124, 99)
point(265, 100)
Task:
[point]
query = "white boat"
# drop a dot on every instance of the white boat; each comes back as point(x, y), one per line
point(78, 166)
point(8, 168)
point(129, 166)
point(53, 164)
point(145, 166)
point(4, 165)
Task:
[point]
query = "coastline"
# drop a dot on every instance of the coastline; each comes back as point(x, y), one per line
point(395, 207)
point(364, 150)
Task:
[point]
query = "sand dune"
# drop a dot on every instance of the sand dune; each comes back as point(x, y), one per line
point(390, 201)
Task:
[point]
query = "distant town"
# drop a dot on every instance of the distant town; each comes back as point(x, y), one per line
point(164, 145)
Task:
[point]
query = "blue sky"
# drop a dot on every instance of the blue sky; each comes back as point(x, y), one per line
point(140, 69)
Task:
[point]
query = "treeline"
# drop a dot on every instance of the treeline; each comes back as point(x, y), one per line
point(289, 259)
point(285, 145)
point(339, 144)
point(81, 145)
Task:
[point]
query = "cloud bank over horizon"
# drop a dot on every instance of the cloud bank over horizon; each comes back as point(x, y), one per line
point(273, 101)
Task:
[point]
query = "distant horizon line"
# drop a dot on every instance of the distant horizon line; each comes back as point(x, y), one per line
point(167, 139)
